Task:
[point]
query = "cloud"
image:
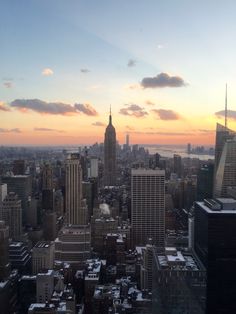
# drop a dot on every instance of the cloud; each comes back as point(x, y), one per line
point(204, 131)
point(15, 130)
point(3, 106)
point(98, 123)
point(132, 86)
point(134, 111)
point(84, 70)
point(8, 79)
point(164, 114)
point(47, 72)
point(160, 46)
point(48, 130)
point(55, 108)
point(149, 102)
point(164, 133)
point(131, 63)
point(86, 109)
point(162, 80)
point(231, 114)
point(8, 84)
point(129, 128)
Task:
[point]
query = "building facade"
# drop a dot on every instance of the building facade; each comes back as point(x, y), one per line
point(76, 209)
point(215, 245)
point(110, 154)
point(11, 213)
point(225, 175)
point(148, 206)
point(43, 256)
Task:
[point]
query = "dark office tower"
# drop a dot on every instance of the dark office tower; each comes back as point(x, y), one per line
point(110, 154)
point(177, 167)
point(205, 182)
point(19, 167)
point(148, 206)
point(11, 213)
point(157, 160)
point(215, 245)
point(47, 188)
point(127, 140)
point(76, 208)
point(22, 186)
point(189, 149)
point(4, 258)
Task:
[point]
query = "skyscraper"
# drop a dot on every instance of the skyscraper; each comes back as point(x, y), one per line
point(76, 208)
point(110, 154)
point(127, 140)
point(205, 181)
point(222, 135)
point(11, 213)
point(49, 215)
point(4, 260)
point(177, 165)
point(215, 245)
point(47, 188)
point(148, 206)
point(22, 186)
point(225, 175)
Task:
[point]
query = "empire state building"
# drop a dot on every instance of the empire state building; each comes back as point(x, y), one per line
point(110, 154)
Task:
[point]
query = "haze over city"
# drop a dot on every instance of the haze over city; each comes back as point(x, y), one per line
point(161, 65)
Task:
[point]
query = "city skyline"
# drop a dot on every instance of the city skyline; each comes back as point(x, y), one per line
point(162, 66)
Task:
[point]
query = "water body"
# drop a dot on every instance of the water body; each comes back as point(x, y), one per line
point(170, 150)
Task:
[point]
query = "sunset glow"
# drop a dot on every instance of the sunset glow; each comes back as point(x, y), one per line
point(163, 70)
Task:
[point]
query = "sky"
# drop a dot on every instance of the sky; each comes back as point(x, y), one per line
point(162, 66)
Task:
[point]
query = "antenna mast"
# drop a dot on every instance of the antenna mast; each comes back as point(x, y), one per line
point(226, 113)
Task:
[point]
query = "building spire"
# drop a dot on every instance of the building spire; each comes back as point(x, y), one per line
point(226, 113)
point(110, 118)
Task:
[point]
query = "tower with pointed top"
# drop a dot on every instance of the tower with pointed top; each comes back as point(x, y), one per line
point(110, 154)
point(225, 158)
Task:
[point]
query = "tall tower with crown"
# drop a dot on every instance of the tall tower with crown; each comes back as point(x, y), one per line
point(110, 154)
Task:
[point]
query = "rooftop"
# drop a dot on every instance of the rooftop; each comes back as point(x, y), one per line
point(219, 206)
point(173, 259)
point(43, 244)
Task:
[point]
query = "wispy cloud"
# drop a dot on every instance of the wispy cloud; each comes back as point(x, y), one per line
point(15, 130)
point(55, 108)
point(98, 123)
point(8, 84)
point(48, 130)
point(160, 133)
point(86, 109)
point(150, 103)
point(162, 80)
point(231, 114)
point(205, 131)
point(132, 86)
point(128, 127)
point(8, 79)
point(164, 114)
point(84, 70)
point(47, 72)
point(3, 106)
point(133, 110)
point(131, 63)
